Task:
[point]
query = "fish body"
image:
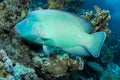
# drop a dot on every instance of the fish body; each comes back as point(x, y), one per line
point(54, 28)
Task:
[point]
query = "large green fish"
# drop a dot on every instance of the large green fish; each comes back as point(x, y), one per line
point(54, 28)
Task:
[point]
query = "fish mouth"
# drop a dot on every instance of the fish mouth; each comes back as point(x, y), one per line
point(17, 31)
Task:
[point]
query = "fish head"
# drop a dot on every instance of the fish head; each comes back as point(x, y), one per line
point(26, 30)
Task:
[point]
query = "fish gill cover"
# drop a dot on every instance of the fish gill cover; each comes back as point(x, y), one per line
point(21, 59)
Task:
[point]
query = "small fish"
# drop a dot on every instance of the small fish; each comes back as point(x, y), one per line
point(54, 28)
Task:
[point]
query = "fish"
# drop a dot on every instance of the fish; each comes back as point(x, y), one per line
point(63, 30)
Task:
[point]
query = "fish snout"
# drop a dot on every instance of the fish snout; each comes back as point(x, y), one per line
point(18, 29)
point(25, 30)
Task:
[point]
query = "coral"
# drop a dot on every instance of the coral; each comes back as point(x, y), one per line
point(10, 13)
point(11, 71)
point(72, 5)
point(3, 72)
point(58, 65)
point(67, 5)
point(99, 19)
point(8, 78)
point(37, 4)
point(76, 64)
point(30, 76)
point(20, 71)
point(7, 63)
point(57, 4)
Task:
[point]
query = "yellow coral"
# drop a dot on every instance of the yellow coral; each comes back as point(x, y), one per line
point(99, 19)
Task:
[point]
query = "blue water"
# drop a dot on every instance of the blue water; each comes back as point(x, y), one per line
point(112, 5)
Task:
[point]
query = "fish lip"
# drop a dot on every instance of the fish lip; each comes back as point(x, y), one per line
point(17, 31)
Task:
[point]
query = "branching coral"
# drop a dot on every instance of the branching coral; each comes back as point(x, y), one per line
point(99, 19)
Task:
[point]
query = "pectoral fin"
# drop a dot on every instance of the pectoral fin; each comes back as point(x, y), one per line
point(78, 50)
point(47, 50)
point(43, 35)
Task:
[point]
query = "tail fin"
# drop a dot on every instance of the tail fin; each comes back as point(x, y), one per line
point(98, 39)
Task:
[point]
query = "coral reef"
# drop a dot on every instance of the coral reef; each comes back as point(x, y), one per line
point(67, 5)
point(11, 12)
point(7, 63)
point(61, 4)
point(19, 59)
point(58, 65)
point(57, 4)
point(3, 72)
point(5, 66)
point(37, 4)
point(22, 72)
point(99, 19)
point(15, 71)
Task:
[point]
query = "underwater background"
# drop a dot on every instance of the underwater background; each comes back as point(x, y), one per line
point(23, 60)
point(112, 6)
